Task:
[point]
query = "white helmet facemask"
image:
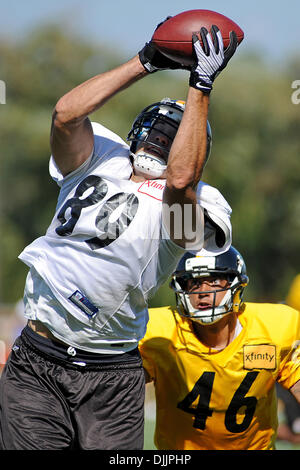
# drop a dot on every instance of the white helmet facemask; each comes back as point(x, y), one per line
point(145, 164)
point(211, 315)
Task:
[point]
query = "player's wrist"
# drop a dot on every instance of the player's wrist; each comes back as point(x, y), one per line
point(146, 56)
point(137, 67)
point(199, 84)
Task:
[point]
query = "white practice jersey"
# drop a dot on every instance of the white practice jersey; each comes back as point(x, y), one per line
point(106, 251)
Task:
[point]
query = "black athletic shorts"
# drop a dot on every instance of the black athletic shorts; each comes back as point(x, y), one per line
point(58, 398)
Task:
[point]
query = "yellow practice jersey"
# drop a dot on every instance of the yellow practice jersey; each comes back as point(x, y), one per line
point(221, 400)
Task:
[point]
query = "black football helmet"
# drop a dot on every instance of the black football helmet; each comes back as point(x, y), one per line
point(163, 116)
point(229, 265)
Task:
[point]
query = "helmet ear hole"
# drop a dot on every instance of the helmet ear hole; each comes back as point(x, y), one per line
point(178, 283)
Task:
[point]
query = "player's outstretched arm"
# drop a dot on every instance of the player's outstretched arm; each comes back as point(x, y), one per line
point(71, 132)
point(72, 137)
point(185, 165)
point(188, 152)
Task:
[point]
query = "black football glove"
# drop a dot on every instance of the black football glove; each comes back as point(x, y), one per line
point(211, 58)
point(153, 60)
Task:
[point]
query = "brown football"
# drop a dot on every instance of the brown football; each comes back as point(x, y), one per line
point(174, 37)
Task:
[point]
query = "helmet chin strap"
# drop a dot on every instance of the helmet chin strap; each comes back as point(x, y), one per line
point(145, 164)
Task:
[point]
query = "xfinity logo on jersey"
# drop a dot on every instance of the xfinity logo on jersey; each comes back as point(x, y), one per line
point(152, 188)
point(260, 356)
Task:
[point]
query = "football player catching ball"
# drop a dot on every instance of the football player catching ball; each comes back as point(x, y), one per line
point(74, 379)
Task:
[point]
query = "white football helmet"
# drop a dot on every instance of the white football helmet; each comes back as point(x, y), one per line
point(165, 117)
point(229, 265)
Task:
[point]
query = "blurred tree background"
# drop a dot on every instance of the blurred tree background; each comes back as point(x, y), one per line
point(254, 161)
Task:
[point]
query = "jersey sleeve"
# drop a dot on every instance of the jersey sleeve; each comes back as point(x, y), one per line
point(289, 371)
point(217, 213)
point(217, 235)
point(110, 151)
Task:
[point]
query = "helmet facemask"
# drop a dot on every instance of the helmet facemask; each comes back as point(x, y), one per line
point(164, 118)
point(207, 316)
